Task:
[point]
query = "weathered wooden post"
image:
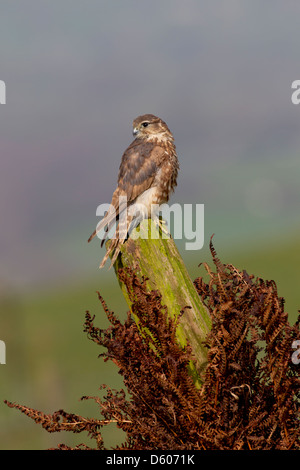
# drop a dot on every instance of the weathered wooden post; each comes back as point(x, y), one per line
point(156, 257)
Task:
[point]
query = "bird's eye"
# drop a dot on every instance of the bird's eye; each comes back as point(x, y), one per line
point(145, 124)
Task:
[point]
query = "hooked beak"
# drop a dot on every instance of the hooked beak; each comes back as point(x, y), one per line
point(135, 131)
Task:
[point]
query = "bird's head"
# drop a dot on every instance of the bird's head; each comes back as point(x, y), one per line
point(150, 127)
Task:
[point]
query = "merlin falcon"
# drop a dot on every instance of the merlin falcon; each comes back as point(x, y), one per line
point(147, 177)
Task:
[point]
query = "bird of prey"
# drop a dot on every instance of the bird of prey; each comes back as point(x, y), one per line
point(147, 176)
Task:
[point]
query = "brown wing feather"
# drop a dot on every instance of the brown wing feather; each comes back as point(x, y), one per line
point(138, 168)
point(139, 165)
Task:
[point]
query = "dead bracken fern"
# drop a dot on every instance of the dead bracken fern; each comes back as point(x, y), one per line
point(250, 398)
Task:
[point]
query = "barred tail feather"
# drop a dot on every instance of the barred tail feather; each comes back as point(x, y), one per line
point(117, 207)
point(117, 242)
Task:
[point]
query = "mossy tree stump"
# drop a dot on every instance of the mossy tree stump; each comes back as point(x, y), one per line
point(151, 253)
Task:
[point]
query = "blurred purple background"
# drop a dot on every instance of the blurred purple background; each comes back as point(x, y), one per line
point(78, 72)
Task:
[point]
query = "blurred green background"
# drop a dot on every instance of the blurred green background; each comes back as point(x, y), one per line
point(77, 73)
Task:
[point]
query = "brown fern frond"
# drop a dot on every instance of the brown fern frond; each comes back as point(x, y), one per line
point(250, 398)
